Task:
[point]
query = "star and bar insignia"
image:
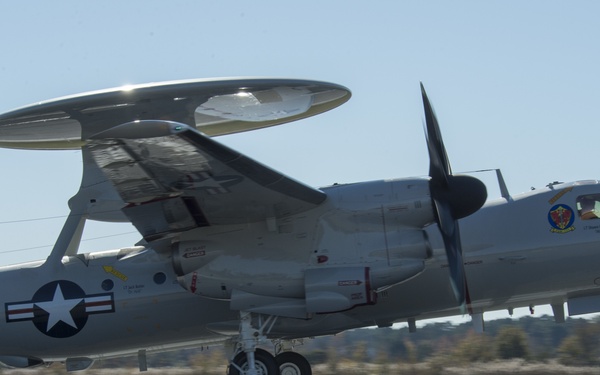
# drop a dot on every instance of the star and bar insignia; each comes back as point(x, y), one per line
point(60, 308)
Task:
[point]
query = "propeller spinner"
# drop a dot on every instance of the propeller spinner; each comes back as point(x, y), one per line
point(454, 197)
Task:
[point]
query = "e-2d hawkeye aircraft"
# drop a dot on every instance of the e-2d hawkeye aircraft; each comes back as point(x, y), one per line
point(234, 252)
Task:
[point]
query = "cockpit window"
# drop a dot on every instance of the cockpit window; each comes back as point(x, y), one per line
point(588, 206)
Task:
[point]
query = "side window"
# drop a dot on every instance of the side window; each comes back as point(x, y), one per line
point(588, 206)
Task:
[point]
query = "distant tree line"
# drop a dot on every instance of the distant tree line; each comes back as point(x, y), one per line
point(572, 343)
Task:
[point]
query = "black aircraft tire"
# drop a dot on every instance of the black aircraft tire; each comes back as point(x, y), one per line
point(265, 363)
point(292, 363)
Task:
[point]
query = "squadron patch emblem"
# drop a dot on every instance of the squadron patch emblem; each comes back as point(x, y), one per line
point(561, 218)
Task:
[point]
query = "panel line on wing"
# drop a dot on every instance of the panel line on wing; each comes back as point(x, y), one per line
point(254, 170)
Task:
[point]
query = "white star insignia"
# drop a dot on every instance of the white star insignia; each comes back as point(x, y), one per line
point(59, 309)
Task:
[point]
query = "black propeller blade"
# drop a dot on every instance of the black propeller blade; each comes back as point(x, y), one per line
point(454, 197)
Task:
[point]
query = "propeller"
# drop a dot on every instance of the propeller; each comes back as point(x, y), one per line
point(454, 197)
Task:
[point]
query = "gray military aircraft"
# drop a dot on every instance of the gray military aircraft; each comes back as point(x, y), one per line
point(233, 252)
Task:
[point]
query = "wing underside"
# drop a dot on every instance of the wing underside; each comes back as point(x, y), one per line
point(179, 179)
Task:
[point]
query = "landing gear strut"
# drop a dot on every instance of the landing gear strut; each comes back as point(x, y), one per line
point(251, 360)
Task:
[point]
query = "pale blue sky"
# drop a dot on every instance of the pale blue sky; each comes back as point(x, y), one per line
point(515, 86)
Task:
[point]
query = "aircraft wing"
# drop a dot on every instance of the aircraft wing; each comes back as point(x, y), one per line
point(173, 178)
point(163, 182)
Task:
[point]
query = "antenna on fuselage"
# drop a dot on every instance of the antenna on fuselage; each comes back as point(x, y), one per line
point(503, 189)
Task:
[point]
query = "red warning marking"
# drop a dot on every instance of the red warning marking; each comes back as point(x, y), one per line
point(194, 281)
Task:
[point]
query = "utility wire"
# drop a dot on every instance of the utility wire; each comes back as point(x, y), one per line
point(50, 217)
point(34, 219)
point(44, 246)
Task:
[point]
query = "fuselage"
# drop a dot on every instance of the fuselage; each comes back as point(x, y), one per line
point(536, 248)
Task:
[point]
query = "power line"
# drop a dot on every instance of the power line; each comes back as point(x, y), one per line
point(44, 246)
point(34, 219)
point(51, 217)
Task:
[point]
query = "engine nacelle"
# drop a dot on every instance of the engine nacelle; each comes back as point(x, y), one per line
point(189, 256)
point(336, 289)
point(403, 202)
point(202, 284)
point(189, 261)
point(322, 288)
point(407, 244)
